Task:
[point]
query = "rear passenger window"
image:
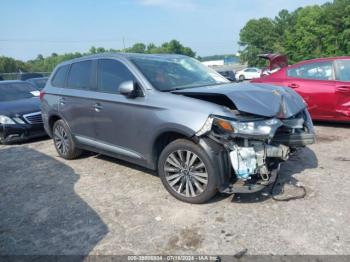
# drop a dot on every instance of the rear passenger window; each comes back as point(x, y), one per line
point(60, 76)
point(314, 71)
point(111, 74)
point(81, 76)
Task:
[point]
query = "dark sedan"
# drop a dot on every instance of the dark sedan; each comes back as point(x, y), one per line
point(229, 75)
point(20, 115)
point(38, 82)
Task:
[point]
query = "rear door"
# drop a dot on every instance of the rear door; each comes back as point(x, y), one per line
point(315, 82)
point(77, 100)
point(342, 89)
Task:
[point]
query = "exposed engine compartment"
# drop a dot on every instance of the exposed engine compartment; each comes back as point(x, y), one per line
point(252, 160)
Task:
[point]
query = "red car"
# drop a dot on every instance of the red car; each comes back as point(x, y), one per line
point(324, 83)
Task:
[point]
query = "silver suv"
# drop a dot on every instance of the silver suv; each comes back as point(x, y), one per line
point(172, 114)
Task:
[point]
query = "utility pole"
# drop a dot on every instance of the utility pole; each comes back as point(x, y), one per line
point(124, 43)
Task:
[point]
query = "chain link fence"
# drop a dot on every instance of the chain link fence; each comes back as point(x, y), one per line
point(23, 75)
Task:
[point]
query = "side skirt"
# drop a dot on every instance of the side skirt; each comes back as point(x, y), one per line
point(112, 151)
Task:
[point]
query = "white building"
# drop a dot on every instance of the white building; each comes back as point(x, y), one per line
point(214, 63)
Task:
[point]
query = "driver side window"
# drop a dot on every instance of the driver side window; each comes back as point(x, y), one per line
point(111, 74)
point(313, 71)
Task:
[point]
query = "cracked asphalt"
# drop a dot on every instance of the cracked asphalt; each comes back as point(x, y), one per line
point(99, 205)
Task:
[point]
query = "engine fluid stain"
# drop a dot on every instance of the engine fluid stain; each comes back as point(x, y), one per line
point(327, 139)
point(187, 239)
point(342, 159)
point(220, 219)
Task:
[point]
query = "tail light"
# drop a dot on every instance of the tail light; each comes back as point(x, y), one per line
point(42, 93)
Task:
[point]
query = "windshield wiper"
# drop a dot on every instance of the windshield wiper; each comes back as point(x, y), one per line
point(196, 86)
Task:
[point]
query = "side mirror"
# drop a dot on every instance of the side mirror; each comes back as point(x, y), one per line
point(128, 88)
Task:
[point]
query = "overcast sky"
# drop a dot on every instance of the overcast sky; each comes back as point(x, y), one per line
point(33, 27)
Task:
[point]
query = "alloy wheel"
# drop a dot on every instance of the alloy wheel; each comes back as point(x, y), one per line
point(61, 139)
point(186, 173)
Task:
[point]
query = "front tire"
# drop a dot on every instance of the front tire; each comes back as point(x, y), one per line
point(187, 172)
point(64, 142)
point(241, 78)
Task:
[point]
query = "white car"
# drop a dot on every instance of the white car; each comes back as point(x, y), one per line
point(248, 73)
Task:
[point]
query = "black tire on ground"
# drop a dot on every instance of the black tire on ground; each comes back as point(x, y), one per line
point(67, 148)
point(200, 192)
point(241, 78)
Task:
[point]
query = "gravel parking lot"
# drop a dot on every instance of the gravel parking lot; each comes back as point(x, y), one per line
point(99, 205)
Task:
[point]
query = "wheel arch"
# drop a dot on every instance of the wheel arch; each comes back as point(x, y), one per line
point(51, 121)
point(165, 137)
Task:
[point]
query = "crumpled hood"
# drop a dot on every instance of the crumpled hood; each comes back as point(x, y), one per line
point(20, 107)
point(258, 99)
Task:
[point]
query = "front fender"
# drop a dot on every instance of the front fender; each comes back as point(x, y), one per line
point(220, 160)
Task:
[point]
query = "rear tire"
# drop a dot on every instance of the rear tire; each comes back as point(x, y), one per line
point(187, 172)
point(64, 142)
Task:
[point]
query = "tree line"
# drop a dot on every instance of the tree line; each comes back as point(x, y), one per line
point(306, 33)
point(47, 64)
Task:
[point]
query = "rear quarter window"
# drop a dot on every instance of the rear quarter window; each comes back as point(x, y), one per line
point(60, 76)
point(343, 70)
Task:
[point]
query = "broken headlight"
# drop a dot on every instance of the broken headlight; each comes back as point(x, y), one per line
point(253, 128)
point(256, 128)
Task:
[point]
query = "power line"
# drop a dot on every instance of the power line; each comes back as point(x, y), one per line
point(60, 41)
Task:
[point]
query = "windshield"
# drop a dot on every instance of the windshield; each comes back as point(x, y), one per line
point(16, 91)
point(173, 73)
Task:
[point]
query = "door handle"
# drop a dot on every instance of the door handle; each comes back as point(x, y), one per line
point(343, 89)
point(62, 101)
point(293, 85)
point(97, 107)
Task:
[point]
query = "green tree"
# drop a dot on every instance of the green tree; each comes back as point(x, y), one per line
point(152, 48)
point(100, 50)
point(256, 37)
point(47, 64)
point(10, 65)
point(40, 57)
point(137, 48)
point(309, 32)
point(93, 50)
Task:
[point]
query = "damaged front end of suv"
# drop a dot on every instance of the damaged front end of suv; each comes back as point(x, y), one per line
point(257, 140)
point(256, 146)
